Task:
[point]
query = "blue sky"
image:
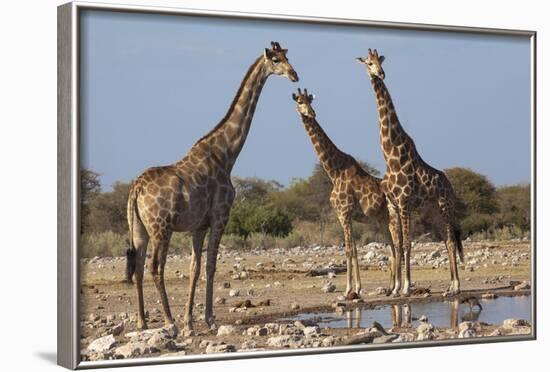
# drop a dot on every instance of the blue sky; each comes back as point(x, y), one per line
point(154, 84)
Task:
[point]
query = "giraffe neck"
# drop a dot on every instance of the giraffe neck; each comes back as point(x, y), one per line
point(226, 140)
point(326, 150)
point(392, 133)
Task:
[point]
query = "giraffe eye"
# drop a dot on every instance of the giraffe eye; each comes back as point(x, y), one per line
point(275, 60)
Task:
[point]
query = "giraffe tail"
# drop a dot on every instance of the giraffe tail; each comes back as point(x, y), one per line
point(459, 246)
point(131, 251)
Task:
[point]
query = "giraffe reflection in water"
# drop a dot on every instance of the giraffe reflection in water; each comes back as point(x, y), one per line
point(402, 315)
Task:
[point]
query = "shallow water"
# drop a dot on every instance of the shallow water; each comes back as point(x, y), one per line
point(439, 313)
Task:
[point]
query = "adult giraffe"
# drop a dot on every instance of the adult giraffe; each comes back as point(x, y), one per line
point(195, 194)
point(409, 182)
point(353, 190)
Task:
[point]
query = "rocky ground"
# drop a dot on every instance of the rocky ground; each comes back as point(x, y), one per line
point(257, 290)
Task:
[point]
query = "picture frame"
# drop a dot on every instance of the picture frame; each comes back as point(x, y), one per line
point(69, 208)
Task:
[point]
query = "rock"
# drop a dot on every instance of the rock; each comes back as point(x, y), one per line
point(226, 285)
point(175, 353)
point(328, 341)
point(515, 323)
point(311, 331)
point(134, 349)
point(496, 332)
point(379, 291)
point(331, 275)
point(405, 337)
point(249, 344)
point(522, 286)
point(329, 287)
point(243, 275)
point(489, 296)
point(220, 348)
point(384, 339)
point(219, 301)
point(226, 330)
point(284, 341)
point(161, 340)
point(102, 344)
point(263, 331)
point(234, 293)
point(94, 317)
point(294, 306)
point(466, 330)
point(425, 331)
point(434, 254)
point(272, 328)
point(117, 329)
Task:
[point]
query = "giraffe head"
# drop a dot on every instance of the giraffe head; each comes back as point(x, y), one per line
point(277, 63)
point(374, 64)
point(303, 103)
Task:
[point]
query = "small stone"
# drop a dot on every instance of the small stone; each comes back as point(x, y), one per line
point(329, 287)
point(94, 317)
point(294, 306)
point(134, 349)
point(249, 344)
point(515, 323)
point(263, 331)
point(102, 344)
point(234, 293)
point(328, 341)
point(466, 330)
point(285, 341)
point(522, 286)
point(384, 339)
point(219, 301)
point(220, 348)
point(489, 296)
point(311, 331)
point(117, 329)
point(227, 330)
point(425, 331)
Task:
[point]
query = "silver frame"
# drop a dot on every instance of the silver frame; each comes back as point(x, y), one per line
point(68, 195)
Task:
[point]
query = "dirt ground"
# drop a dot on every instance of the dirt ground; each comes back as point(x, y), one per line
point(281, 276)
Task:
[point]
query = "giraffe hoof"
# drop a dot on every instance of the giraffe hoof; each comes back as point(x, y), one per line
point(396, 295)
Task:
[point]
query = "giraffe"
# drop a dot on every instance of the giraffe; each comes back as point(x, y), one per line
point(353, 189)
point(195, 194)
point(410, 183)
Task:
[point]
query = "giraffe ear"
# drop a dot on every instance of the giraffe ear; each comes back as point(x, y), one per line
point(360, 59)
point(381, 59)
point(294, 96)
point(311, 97)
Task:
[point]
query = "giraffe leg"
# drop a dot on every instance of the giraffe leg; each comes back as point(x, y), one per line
point(140, 241)
point(160, 245)
point(405, 218)
point(452, 246)
point(395, 259)
point(345, 221)
point(356, 270)
point(194, 271)
point(216, 233)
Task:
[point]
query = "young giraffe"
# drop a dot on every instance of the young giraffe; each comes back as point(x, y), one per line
point(409, 182)
point(195, 194)
point(352, 189)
